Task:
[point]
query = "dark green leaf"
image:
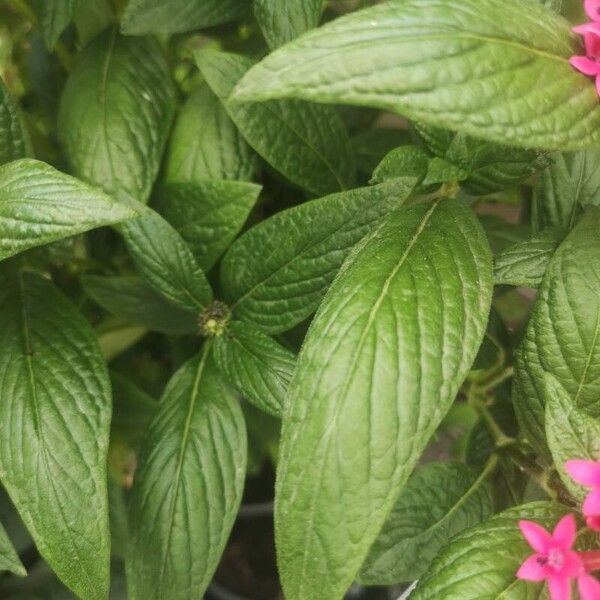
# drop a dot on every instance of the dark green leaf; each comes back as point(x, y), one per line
point(14, 137)
point(392, 342)
point(91, 17)
point(502, 234)
point(406, 161)
point(277, 272)
point(188, 486)
point(306, 143)
point(53, 17)
point(55, 414)
point(371, 146)
point(256, 364)
point(9, 559)
point(483, 67)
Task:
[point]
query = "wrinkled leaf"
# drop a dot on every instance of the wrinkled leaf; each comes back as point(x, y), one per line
point(406, 161)
point(281, 22)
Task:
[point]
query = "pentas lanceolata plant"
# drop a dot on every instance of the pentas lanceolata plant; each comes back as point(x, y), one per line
point(589, 64)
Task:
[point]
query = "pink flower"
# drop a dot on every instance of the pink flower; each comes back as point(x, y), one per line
point(590, 63)
point(554, 560)
point(592, 8)
point(587, 473)
point(589, 587)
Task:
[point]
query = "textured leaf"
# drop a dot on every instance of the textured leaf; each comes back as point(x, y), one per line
point(166, 262)
point(306, 143)
point(14, 137)
point(256, 364)
point(9, 559)
point(482, 561)
point(207, 214)
point(524, 263)
point(439, 501)
point(55, 413)
point(136, 302)
point(53, 17)
point(205, 144)
point(116, 113)
point(406, 161)
point(571, 433)
point(276, 273)
point(570, 180)
point(563, 335)
point(176, 16)
point(188, 486)
point(483, 67)
point(39, 204)
point(382, 362)
point(281, 22)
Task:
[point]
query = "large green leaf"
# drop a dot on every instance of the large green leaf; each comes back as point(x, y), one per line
point(482, 561)
point(55, 410)
point(188, 486)
point(276, 273)
point(256, 364)
point(306, 143)
point(382, 362)
point(9, 559)
point(484, 67)
point(116, 113)
point(281, 22)
point(563, 335)
point(14, 137)
point(439, 501)
point(53, 17)
point(39, 204)
point(208, 214)
point(205, 144)
point(176, 16)
point(571, 180)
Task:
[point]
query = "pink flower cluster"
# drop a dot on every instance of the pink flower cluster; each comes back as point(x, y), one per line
point(554, 560)
point(590, 63)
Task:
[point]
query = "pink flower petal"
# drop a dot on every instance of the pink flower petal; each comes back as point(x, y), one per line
point(537, 537)
point(591, 505)
point(585, 472)
point(532, 570)
point(565, 532)
point(592, 8)
point(593, 28)
point(589, 587)
point(573, 565)
point(559, 587)
point(593, 523)
point(588, 67)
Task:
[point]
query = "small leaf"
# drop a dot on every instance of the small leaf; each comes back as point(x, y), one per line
point(571, 433)
point(92, 17)
point(188, 486)
point(276, 273)
point(306, 143)
point(9, 559)
point(371, 146)
point(136, 302)
point(116, 113)
point(256, 364)
point(205, 143)
point(281, 22)
point(53, 17)
point(55, 413)
point(14, 137)
point(563, 335)
point(483, 67)
point(165, 261)
point(439, 501)
point(406, 161)
point(178, 16)
point(39, 205)
point(207, 214)
point(524, 263)
point(482, 562)
point(393, 340)
point(502, 234)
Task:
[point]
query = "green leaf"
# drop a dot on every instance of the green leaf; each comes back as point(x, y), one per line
point(256, 364)
point(55, 413)
point(281, 22)
point(406, 161)
point(306, 143)
point(382, 362)
point(277, 272)
point(188, 486)
point(14, 137)
point(563, 335)
point(439, 501)
point(177, 16)
point(165, 261)
point(53, 17)
point(92, 17)
point(205, 144)
point(208, 214)
point(39, 205)
point(524, 263)
point(481, 562)
point(570, 180)
point(9, 559)
point(136, 302)
point(483, 67)
point(116, 112)
point(371, 146)
point(502, 234)
point(571, 433)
